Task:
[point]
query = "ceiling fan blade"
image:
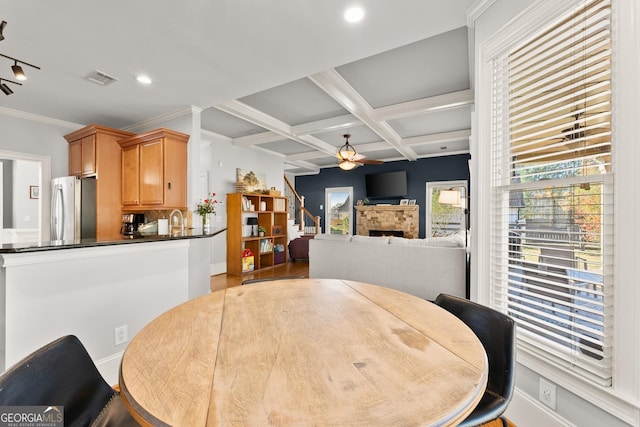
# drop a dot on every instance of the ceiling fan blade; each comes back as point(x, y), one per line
point(368, 161)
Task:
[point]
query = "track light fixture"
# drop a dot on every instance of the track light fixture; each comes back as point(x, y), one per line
point(18, 72)
point(6, 89)
point(17, 69)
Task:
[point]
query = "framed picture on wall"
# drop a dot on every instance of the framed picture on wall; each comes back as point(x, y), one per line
point(404, 201)
point(412, 202)
point(34, 192)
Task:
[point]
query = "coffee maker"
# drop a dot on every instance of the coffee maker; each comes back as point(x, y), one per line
point(130, 224)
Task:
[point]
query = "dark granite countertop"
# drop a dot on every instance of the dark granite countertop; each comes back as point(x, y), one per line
point(191, 233)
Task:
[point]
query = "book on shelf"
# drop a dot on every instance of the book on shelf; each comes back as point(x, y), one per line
point(266, 245)
point(279, 205)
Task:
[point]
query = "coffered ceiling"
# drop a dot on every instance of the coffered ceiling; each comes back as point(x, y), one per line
point(289, 78)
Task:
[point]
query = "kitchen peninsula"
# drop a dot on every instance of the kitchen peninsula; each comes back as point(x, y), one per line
point(91, 288)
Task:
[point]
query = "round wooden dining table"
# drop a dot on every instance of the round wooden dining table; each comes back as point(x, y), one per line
point(304, 352)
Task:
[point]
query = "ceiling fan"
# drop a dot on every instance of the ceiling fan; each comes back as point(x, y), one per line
point(349, 158)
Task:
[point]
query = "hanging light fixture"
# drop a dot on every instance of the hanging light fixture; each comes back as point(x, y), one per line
point(347, 152)
point(347, 165)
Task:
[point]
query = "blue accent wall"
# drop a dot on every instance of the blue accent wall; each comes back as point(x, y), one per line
point(446, 168)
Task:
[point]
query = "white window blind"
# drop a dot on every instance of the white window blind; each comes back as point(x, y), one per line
point(552, 190)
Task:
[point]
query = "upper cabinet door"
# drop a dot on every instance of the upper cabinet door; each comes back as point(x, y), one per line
point(152, 172)
point(89, 155)
point(130, 175)
point(75, 158)
point(155, 176)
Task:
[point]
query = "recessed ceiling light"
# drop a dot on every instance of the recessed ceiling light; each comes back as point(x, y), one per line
point(144, 79)
point(354, 14)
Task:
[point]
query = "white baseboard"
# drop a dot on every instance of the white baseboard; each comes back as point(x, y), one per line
point(109, 368)
point(525, 411)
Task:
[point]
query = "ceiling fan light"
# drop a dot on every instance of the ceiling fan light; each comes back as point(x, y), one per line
point(346, 152)
point(6, 89)
point(347, 165)
point(18, 72)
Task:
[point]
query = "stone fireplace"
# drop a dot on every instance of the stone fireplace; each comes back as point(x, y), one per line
point(388, 220)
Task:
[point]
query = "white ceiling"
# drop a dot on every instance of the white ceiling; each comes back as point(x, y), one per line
point(289, 76)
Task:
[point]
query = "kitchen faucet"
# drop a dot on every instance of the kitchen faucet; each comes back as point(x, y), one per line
point(181, 221)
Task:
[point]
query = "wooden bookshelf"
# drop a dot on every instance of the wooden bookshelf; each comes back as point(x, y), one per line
point(268, 250)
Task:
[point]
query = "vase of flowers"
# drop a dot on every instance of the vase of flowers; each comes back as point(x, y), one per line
point(205, 209)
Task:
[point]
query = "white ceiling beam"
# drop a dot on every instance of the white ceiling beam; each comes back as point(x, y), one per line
point(257, 139)
point(438, 138)
point(302, 164)
point(424, 106)
point(258, 118)
point(204, 134)
point(340, 90)
point(326, 125)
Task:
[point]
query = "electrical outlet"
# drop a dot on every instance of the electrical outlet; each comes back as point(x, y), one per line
point(547, 393)
point(121, 335)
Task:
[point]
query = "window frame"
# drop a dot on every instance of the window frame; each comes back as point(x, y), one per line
point(430, 187)
point(327, 212)
point(620, 397)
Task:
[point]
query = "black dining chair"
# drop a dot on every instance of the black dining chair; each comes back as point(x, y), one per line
point(496, 332)
point(62, 374)
point(270, 279)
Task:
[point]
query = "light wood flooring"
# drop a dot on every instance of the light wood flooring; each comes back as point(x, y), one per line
point(223, 281)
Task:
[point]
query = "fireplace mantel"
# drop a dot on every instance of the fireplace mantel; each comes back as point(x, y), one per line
point(388, 217)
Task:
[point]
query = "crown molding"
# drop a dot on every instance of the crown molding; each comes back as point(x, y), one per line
point(159, 120)
point(38, 118)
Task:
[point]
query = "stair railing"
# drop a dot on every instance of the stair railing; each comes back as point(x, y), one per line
point(303, 212)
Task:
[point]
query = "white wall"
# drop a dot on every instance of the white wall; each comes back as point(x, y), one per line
point(37, 135)
point(578, 402)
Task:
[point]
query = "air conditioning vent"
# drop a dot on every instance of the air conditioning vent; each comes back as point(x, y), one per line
point(101, 78)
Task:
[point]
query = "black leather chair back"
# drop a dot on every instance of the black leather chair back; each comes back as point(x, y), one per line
point(62, 374)
point(496, 332)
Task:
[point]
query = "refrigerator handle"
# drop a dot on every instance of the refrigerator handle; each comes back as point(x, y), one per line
point(57, 217)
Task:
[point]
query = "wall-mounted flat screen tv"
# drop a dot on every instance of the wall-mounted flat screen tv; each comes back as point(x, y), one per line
point(386, 184)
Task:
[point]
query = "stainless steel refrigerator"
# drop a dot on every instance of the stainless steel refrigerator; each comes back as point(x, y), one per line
point(73, 208)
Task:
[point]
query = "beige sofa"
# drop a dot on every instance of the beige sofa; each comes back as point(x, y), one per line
point(421, 267)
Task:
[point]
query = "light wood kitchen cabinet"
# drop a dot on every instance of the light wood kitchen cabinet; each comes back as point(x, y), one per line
point(82, 156)
point(94, 152)
point(154, 170)
point(130, 175)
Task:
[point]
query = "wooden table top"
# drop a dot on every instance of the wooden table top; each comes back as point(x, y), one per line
point(304, 352)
